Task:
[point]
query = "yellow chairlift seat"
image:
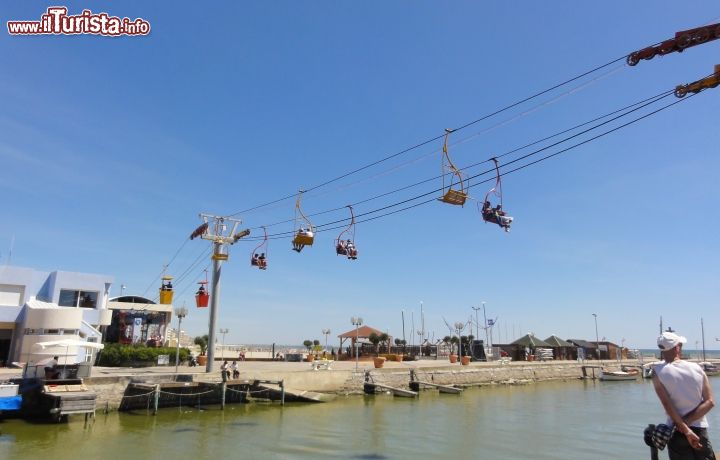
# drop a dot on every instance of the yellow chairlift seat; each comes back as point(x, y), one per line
point(452, 196)
point(166, 291)
point(455, 197)
point(304, 238)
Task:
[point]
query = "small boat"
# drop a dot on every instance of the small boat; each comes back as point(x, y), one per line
point(710, 368)
point(616, 376)
point(10, 400)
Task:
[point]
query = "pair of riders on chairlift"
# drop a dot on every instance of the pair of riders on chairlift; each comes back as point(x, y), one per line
point(346, 248)
point(259, 261)
point(496, 215)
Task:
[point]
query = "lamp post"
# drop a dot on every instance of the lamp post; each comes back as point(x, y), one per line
point(477, 322)
point(459, 327)
point(356, 321)
point(180, 313)
point(597, 339)
point(326, 333)
point(222, 351)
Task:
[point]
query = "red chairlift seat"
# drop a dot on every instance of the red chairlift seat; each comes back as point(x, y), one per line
point(202, 296)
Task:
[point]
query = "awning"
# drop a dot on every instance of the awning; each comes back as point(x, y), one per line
point(69, 343)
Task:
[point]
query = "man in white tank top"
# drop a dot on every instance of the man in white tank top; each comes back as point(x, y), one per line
point(686, 396)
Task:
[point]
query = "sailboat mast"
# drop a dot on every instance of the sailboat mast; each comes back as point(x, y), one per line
point(702, 328)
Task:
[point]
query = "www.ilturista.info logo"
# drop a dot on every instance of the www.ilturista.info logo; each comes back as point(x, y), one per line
point(57, 22)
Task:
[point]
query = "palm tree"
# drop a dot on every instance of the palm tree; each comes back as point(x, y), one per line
point(448, 342)
point(453, 341)
point(375, 340)
point(202, 342)
point(384, 338)
point(308, 344)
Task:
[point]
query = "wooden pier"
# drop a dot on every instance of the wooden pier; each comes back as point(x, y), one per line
point(141, 395)
point(416, 384)
point(70, 398)
point(371, 387)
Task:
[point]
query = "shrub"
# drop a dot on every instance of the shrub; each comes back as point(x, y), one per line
point(116, 355)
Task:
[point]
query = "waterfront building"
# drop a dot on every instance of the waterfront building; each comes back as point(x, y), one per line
point(136, 319)
point(38, 308)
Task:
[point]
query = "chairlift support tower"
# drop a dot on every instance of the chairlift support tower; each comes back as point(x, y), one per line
point(216, 230)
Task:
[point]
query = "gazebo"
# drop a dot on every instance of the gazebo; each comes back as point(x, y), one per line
point(527, 341)
point(561, 348)
point(356, 336)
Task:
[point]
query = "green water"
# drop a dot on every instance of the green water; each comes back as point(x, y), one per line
point(563, 420)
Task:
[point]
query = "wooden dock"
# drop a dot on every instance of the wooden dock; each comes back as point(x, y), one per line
point(416, 384)
point(371, 387)
point(592, 368)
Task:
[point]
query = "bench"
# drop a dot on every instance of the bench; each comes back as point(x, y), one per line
point(321, 364)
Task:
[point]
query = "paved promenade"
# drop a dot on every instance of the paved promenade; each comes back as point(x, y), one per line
point(249, 368)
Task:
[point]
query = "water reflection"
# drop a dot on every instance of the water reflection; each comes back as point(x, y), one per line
point(552, 421)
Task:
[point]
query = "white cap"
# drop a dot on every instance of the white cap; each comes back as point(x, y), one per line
point(669, 340)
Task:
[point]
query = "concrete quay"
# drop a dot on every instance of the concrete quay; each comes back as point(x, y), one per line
point(111, 383)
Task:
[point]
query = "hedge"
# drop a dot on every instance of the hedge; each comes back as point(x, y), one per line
point(118, 355)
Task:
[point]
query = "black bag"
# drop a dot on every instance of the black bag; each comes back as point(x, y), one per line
point(658, 435)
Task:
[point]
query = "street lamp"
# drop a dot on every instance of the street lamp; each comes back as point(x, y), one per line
point(326, 333)
point(459, 327)
point(597, 340)
point(180, 313)
point(477, 322)
point(356, 321)
point(222, 351)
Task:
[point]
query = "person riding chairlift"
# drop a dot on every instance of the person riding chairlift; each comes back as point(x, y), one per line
point(496, 216)
point(340, 248)
point(255, 260)
point(261, 261)
point(350, 250)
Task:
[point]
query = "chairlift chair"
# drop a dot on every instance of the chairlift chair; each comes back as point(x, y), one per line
point(304, 236)
point(345, 242)
point(259, 259)
point(495, 215)
point(451, 196)
point(166, 290)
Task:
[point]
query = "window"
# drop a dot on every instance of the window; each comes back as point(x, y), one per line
point(73, 298)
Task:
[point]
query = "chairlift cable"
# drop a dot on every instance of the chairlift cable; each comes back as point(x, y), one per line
point(420, 144)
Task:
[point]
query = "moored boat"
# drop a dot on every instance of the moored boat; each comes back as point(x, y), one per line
point(710, 368)
point(616, 376)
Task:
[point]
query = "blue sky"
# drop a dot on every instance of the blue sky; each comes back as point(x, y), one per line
point(110, 147)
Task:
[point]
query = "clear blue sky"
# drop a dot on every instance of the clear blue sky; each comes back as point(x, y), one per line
point(110, 147)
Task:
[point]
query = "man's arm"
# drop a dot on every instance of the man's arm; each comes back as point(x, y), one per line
point(680, 424)
point(705, 406)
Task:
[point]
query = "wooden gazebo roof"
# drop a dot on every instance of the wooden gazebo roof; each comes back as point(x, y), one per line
point(362, 332)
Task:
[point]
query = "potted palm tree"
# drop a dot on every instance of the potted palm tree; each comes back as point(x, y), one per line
point(465, 350)
point(375, 340)
point(398, 355)
point(308, 344)
point(202, 342)
point(454, 341)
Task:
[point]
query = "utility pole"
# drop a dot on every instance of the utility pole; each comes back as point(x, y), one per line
point(488, 345)
point(180, 313)
point(221, 238)
point(477, 322)
point(597, 339)
point(222, 347)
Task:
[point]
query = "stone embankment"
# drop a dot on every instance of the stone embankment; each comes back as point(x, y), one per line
point(112, 385)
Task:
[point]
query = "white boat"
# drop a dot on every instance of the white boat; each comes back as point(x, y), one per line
point(710, 368)
point(616, 376)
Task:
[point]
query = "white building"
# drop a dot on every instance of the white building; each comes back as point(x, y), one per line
point(40, 307)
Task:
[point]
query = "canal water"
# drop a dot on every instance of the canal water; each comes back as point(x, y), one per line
point(547, 420)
